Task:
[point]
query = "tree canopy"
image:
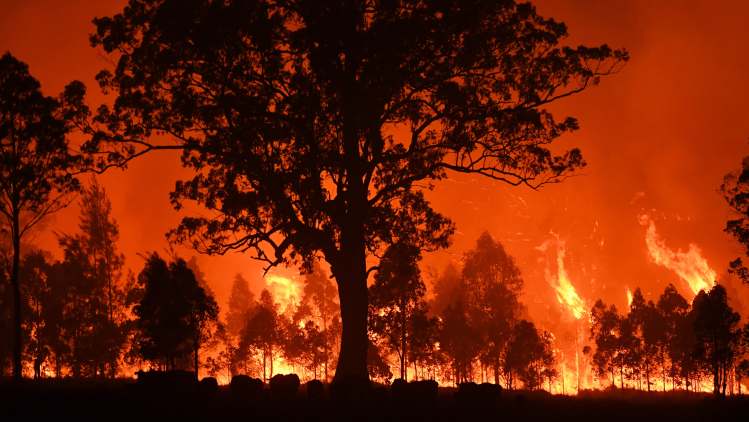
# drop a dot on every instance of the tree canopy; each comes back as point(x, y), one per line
point(36, 165)
point(171, 313)
point(735, 189)
point(312, 128)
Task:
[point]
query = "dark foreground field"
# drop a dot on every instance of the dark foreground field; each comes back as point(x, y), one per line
point(125, 400)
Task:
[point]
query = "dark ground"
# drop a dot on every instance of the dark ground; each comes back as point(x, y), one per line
point(126, 400)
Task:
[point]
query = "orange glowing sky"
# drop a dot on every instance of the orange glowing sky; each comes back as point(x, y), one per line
point(658, 137)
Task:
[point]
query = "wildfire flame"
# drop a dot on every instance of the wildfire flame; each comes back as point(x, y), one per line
point(690, 266)
point(565, 290)
point(285, 290)
point(629, 298)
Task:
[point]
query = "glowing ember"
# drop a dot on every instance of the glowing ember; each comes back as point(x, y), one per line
point(565, 291)
point(690, 266)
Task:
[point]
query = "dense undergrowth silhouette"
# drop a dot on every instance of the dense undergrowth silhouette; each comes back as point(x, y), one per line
point(176, 395)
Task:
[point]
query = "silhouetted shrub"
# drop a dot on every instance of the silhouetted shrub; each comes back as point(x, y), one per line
point(170, 381)
point(398, 387)
point(243, 386)
point(490, 391)
point(351, 389)
point(424, 390)
point(472, 393)
point(315, 390)
point(208, 386)
point(414, 391)
point(284, 386)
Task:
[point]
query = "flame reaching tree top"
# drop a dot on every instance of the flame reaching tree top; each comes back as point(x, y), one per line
point(566, 293)
point(690, 266)
point(629, 297)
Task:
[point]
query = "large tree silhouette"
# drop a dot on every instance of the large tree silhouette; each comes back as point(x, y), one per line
point(36, 165)
point(313, 127)
point(735, 190)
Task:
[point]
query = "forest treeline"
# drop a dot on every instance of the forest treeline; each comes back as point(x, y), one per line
point(288, 132)
point(670, 343)
point(89, 318)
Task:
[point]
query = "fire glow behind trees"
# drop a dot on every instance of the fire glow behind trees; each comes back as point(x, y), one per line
point(637, 218)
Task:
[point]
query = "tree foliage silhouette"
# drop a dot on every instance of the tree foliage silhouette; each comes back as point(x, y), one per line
point(319, 297)
point(314, 127)
point(493, 283)
point(396, 296)
point(687, 342)
point(262, 333)
point(241, 301)
point(673, 309)
point(735, 189)
point(36, 164)
point(529, 356)
point(603, 331)
point(96, 246)
point(171, 313)
point(458, 338)
point(650, 326)
point(717, 333)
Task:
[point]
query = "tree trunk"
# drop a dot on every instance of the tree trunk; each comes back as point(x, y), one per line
point(404, 358)
point(196, 360)
point(351, 278)
point(621, 376)
point(350, 261)
point(663, 368)
point(15, 282)
point(326, 347)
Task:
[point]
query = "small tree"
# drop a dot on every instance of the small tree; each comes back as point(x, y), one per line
point(603, 331)
point(672, 308)
point(628, 356)
point(36, 166)
point(319, 298)
point(717, 334)
point(424, 336)
point(529, 356)
point(95, 245)
point(396, 294)
point(651, 328)
point(6, 311)
point(262, 333)
point(378, 367)
point(241, 301)
point(492, 283)
point(459, 340)
point(34, 279)
point(172, 313)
